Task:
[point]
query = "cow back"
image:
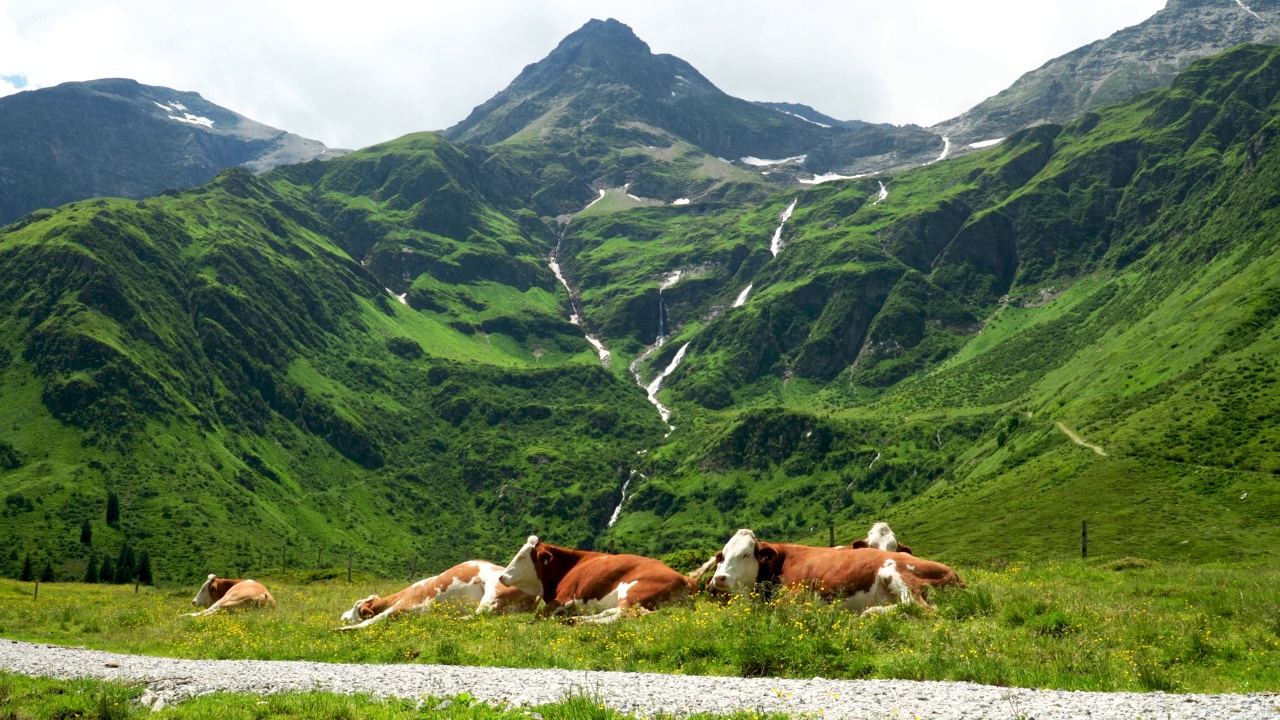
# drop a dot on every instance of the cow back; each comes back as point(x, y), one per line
point(596, 575)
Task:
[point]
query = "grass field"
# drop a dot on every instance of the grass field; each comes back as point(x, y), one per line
point(1126, 625)
point(38, 698)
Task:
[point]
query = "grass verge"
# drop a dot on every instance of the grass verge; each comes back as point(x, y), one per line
point(1131, 625)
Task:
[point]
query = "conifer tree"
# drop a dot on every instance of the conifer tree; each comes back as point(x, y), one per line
point(124, 565)
point(113, 509)
point(86, 533)
point(27, 575)
point(107, 572)
point(144, 568)
point(91, 570)
point(46, 575)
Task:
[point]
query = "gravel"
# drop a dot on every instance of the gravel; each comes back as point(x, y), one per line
point(172, 680)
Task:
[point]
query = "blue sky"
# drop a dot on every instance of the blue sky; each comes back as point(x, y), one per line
point(352, 74)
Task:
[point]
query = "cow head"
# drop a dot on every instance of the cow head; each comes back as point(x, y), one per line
point(522, 571)
point(362, 610)
point(205, 598)
point(738, 565)
point(881, 537)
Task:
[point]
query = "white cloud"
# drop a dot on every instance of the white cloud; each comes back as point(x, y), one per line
point(352, 74)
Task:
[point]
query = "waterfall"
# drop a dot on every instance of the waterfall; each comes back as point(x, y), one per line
point(656, 385)
point(671, 279)
point(574, 316)
point(742, 297)
point(775, 246)
point(618, 510)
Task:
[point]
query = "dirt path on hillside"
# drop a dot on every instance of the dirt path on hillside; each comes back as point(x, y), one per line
point(1079, 440)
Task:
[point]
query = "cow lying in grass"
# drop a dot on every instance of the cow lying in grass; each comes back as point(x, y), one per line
point(225, 594)
point(474, 586)
point(865, 580)
point(580, 581)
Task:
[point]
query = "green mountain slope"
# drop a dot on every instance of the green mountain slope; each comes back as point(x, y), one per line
point(375, 353)
point(1116, 276)
point(223, 361)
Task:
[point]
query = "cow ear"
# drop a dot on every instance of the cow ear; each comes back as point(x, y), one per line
point(858, 544)
point(766, 554)
point(719, 557)
point(544, 557)
point(904, 549)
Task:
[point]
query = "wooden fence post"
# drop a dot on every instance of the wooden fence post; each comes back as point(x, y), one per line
point(36, 596)
point(319, 550)
point(350, 551)
point(413, 568)
point(1084, 539)
point(831, 536)
point(136, 582)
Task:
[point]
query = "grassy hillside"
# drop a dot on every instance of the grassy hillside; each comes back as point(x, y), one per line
point(912, 360)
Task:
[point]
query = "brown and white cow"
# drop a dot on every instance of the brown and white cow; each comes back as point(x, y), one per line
point(580, 581)
point(881, 537)
point(224, 594)
point(474, 585)
point(864, 580)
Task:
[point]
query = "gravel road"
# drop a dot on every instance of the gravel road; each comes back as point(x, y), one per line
point(171, 680)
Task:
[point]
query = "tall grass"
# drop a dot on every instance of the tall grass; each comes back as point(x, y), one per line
point(1069, 626)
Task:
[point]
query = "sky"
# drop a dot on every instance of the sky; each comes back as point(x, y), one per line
point(352, 74)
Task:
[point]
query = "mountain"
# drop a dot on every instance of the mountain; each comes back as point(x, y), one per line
point(632, 116)
point(1139, 58)
point(433, 348)
point(804, 112)
point(119, 138)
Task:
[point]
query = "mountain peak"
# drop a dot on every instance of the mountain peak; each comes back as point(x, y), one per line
point(609, 30)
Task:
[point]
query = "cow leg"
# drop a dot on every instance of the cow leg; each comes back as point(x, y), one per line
point(603, 618)
point(373, 620)
point(207, 611)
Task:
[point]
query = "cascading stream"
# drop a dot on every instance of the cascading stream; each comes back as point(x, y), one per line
point(775, 246)
point(574, 316)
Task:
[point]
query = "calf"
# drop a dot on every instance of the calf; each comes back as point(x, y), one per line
point(583, 581)
point(224, 594)
point(864, 580)
point(473, 585)
point(881, 537)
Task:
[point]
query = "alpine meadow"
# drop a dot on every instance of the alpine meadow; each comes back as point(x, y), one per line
point(622, 310)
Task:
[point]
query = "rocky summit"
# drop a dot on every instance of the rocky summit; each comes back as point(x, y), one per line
point(1133, 60)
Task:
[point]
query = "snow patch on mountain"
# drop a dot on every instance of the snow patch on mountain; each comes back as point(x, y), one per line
point(828, 177)
point(801, 117)
point(986, 143)
point(177, 107)
point(758, 162)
